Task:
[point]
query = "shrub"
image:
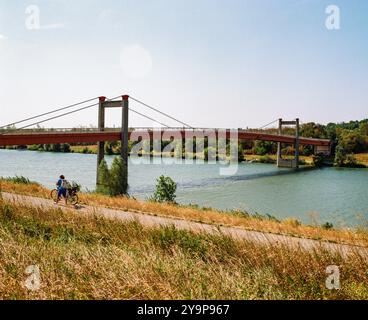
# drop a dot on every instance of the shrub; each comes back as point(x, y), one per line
point(114, 181)
point(103, 178)
point(327, 226)
point(318, 160)
point(118, 184)
point(165, 190)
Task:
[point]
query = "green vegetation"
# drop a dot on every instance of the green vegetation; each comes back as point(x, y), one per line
point(18, 180)
point(234, 218)
point(89, 257)
point(350, 139)
point(319, 160)
point(114, 181)
point(327, 226)
point(165, 190)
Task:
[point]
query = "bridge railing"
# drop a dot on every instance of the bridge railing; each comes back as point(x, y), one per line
point(272, 132)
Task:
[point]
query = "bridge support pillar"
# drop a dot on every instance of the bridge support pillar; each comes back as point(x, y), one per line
point(125, 137)
point(279, 156)
point(124, 104)
point(289, 163)
point(101, 127)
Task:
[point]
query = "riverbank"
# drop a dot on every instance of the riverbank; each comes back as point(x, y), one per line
point(91, 257)
point(239, 219)
point(361, 159)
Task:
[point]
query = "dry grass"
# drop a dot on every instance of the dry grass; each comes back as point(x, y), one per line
point(211, 216)
point(362, 158)
point(84, 257)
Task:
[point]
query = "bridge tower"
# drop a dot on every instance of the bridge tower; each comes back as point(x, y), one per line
point(103, 105)
point(289, 163)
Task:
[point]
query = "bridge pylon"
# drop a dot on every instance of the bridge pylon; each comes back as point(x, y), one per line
point(289, 163)
point(124, 105)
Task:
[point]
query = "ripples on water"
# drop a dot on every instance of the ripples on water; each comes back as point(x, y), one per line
point(334, 195)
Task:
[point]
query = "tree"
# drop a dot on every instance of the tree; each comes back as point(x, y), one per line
point(108, 148)
point(103, 178)
point(114, 181)
point(65, 147)
point(165, 190)
point(118, 177)
point(318, 159)
point(264, 147)
point(340, 156)
point(55, 147)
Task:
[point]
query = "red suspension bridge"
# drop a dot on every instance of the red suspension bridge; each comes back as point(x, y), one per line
point(27, 134)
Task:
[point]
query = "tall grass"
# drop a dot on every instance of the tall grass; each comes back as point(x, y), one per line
point(232, 218)
point(18, 180)
point(84, 257)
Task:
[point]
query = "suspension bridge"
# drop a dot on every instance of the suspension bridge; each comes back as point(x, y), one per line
point(24, 132)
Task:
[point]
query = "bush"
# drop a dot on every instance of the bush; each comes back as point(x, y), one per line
point(327, 226)
point(340, 156)
point(118, 177)
point(165, 190)
point(318, 160)
point(114, 181)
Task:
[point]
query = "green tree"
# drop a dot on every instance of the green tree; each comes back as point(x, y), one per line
point(55, 147)
point(108, 148)
point(118, 177)
point(264, 147)
point(103, 178)
point(340, 156)
point(165, 190)
point(65, 147)
point(318, 160)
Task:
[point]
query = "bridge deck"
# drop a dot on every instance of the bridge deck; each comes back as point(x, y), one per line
point(29, 137)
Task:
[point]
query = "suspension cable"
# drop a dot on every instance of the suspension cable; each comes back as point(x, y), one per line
point(47, 113)
point(163, 113)
point(149, 118)
point(64, 114)
point(266, 125)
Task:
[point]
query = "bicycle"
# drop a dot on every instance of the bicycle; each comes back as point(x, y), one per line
point(71, 195)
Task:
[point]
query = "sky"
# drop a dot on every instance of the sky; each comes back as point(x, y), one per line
point(210, 63)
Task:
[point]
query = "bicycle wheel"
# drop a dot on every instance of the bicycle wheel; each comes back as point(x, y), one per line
point(73, 199)
point(54, 195)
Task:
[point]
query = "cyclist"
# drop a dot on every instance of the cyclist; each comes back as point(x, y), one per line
point(62, 187)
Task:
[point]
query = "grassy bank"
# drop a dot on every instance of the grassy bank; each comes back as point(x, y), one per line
point(81, 257)
point(239, 219)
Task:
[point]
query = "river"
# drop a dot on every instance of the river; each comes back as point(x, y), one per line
point(335, 195)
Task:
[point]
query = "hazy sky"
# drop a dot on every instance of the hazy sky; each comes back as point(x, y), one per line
point(211, 63)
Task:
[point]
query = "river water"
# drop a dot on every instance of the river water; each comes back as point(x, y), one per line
point(335, 195)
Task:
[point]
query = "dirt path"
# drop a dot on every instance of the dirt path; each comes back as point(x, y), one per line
point(155, 221)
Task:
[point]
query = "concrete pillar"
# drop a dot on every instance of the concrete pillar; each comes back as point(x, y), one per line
point(297, 133)
point(101, 127)
point(279, 145)
point(125, 138)
point(125, 129)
